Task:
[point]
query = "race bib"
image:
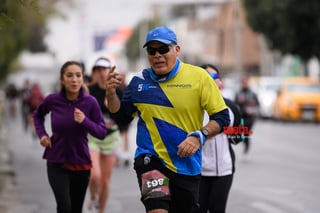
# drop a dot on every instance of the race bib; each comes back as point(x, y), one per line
point(154, 185)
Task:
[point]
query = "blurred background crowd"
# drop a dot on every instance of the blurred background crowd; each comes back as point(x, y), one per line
point(275, 44)
point(258, 39)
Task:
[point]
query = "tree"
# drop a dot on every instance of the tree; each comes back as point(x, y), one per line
point(133, 45)
point(22, 26)
point(290, 26)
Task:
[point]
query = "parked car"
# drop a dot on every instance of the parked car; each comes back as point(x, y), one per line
point(267, 92)
point(298, 99)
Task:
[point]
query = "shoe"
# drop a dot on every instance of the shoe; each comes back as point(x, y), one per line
point(126, 163)
point(125, 157)
point(93, 204)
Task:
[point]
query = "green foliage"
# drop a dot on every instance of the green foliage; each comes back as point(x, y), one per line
point(22, 26)
point(291, 26)
point(133, 45)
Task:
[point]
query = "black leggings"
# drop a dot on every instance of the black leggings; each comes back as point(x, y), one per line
point(248, 122)
point(69, 187)
point(214, 193)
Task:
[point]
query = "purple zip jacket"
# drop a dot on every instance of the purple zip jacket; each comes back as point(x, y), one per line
point(69, 138)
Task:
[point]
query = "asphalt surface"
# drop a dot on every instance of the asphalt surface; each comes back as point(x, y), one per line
point(23, 180)
point(279, 175)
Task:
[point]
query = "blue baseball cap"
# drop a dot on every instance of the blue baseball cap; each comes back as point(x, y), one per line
point(162, 34)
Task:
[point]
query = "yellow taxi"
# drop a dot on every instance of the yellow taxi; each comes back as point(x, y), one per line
point(297, 100)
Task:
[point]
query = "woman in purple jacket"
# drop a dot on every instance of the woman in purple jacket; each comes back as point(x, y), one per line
point(74, 114)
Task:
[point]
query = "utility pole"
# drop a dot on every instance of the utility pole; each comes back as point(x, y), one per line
point(143, 29)
point(238, 37)
point(82, 27)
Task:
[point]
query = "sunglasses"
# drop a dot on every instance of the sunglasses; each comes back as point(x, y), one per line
point(162, 50)
point(214, 75)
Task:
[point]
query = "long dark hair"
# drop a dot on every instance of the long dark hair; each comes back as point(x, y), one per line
point(66, 65)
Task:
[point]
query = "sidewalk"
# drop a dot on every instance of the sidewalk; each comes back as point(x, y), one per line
point(6, 171)
point(9, 194)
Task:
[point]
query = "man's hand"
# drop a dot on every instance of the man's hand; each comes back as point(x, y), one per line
point(188, 147)
point(113, 80)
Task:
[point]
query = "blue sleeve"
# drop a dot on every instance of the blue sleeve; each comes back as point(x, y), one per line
point(125, 114)
point(122, 117)
point(222, 118)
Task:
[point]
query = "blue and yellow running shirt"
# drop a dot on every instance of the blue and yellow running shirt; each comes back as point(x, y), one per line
point(169, 110)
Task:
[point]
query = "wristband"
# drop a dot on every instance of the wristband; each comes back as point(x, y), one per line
point(198, 135)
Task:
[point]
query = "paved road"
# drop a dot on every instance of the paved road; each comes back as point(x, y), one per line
point(30, 186)
point(279, 175)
